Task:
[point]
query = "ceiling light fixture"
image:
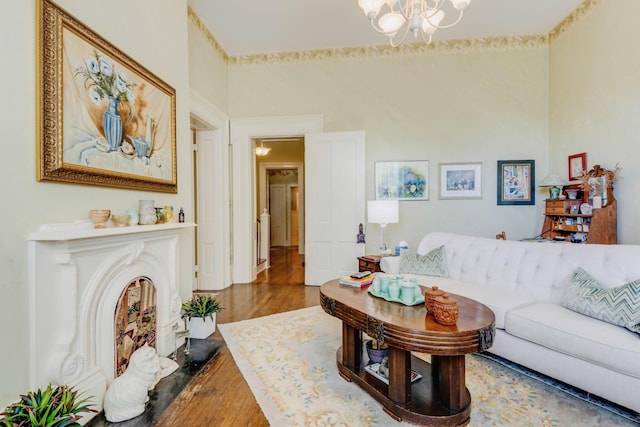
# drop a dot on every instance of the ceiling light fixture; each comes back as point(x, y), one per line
point(422, 17)
point(262, 150)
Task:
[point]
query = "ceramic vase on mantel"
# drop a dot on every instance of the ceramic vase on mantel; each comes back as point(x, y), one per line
point(112, 124)
point(202, 327)
point(146, 212)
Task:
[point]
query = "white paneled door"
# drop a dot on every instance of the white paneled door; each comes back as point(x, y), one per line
point(335, 204)
point(278, 211)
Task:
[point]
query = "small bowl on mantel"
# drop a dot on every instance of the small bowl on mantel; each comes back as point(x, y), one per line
point(120, 220)
point(99, 217)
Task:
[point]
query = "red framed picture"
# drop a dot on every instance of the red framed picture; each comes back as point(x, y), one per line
point(577, 165)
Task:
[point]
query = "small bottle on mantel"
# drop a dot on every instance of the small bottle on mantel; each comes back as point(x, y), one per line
point(181, 215)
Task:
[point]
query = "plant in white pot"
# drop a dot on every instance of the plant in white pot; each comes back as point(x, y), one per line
point(200, 312)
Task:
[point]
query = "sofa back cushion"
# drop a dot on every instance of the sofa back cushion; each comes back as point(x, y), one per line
point(433, 263)
point(540, 270)
point(619, 306)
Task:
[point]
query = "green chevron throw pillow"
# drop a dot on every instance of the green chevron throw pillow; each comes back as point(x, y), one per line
point(620, 305)
point(433, 263)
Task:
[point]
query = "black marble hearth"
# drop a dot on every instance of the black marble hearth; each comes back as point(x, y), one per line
point(169, 387)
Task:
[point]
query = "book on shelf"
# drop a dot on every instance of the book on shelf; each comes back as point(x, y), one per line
point(374, 370)
point(350, 281)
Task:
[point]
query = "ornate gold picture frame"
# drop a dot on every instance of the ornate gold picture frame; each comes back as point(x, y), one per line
point(103, 118)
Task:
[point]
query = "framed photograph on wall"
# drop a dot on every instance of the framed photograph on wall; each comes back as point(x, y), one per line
point(577, 165)
point(402, 180)
point(516, 180)
point(460, 181)
point(103, 118)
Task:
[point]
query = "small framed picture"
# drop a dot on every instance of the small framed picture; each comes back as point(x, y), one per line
point(577, 165)
point(574, 209)
point(515, 182)
point(460, 181)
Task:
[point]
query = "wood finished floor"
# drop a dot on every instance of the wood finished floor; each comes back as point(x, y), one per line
point(219, 395)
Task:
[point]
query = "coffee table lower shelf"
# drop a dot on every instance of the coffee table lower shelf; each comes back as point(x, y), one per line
point(424, 408)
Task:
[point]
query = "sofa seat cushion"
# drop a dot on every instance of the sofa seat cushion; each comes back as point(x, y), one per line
point(499, 301)
point(574, 334)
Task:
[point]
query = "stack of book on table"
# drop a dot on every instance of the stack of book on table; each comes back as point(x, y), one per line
point(360, 280)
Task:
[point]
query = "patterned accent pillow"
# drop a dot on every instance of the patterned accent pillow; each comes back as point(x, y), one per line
point(431, 264)
point(620, 306)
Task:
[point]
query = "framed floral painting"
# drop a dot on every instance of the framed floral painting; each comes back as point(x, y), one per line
point(103, 118)
point(516, 182)
point(402, 180)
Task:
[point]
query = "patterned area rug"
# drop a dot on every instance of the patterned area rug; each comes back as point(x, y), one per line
point(288, 360)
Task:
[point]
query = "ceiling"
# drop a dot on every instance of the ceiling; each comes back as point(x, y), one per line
point(259, 26)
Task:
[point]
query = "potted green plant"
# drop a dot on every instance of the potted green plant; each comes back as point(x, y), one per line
point(200, 312)
point(52, 407)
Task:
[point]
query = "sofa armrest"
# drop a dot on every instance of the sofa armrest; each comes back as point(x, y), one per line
point(390, 264)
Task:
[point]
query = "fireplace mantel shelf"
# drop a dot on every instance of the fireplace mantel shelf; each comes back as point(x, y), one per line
point(84, 230)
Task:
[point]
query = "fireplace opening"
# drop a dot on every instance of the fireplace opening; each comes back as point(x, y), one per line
point(135, 321)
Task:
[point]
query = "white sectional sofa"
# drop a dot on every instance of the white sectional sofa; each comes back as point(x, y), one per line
point(523, 283)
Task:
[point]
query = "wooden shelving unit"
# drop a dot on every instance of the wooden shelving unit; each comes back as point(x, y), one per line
point(561, 222)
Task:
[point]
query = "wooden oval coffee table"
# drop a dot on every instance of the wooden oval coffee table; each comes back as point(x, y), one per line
point(440, 397)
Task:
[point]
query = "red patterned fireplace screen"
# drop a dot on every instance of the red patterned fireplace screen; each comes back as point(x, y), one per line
point(135, 321)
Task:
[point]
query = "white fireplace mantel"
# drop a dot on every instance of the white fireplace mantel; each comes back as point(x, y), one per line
point(76, 276)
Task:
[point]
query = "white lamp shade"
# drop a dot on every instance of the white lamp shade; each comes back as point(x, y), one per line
point(429, 26)
point(554, 179)
point(383, 211)
point(391, 22)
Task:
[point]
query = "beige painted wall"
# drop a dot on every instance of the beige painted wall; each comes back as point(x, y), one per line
point(154, 34)
point(479, 106)
point(595, 101)
point(207, 67)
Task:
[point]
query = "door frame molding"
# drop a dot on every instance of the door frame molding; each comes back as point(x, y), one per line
point(262, 182)
point(218, 122)
point(242, 132)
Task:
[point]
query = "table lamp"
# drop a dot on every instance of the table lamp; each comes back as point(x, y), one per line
point(383, 212)
point(555, 182)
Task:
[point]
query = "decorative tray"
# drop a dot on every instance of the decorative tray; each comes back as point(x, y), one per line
point(386, 296)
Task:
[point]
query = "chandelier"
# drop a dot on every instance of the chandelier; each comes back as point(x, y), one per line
point(262, 150)
point(419, 17)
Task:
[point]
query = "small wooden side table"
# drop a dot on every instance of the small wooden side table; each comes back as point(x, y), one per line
point(369, 263)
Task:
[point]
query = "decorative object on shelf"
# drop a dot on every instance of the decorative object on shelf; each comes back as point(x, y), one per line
point(200, 311)
point(262, 150)
point(572, 193)
point(586, 209)
point(402, 180)
point(360, 238)
point(555, 182)
point(168, 213)
point(59, 406)
point(577, 165)
point(95, 96)
point(99, 217)
point(430, 296)
point(599, 182)
point(181, 216)
point(127, 395)
point(147, 213)
point(515, 182)
point(445, 310)
point(376, 351)
point(418, 17)
point(460, 181)
point(120, 220)
point(383, 212)
point(159, 215)
point(133, 216)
